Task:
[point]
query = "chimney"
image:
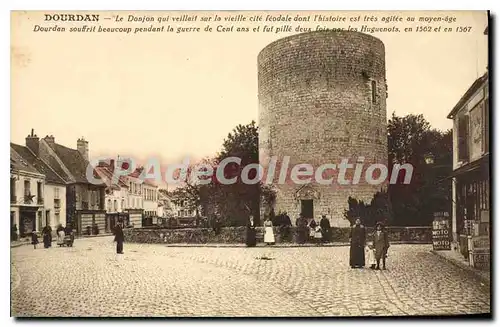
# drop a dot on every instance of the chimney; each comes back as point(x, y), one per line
point(112, 164)
point(32, 142)
point(83, 147)
point(50, 140)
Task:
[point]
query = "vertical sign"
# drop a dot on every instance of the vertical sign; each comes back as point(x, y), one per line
point(441, 231)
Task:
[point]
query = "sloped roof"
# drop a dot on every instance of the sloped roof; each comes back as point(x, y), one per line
point(73, 161)
point(473, 88)
point(37, 163)
point(19, 163)
point(106, 174)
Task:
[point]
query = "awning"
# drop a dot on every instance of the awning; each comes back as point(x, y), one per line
point(481, 164)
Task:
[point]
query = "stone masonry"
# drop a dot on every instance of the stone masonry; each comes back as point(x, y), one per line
point(322, 98)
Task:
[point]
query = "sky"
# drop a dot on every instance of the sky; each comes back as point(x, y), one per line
point(171, 96)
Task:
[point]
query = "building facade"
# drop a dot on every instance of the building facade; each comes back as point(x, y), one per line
point(150, 199)
point(26, 195)
point(31, 176)
point(84, 200)
point(471, 173)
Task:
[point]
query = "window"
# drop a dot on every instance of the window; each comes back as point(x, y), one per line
point(123, 205)
point(109, 205)
point(374, 92)
point(486, 129)
point(92, 198)
point(463, 138)
point(39, 190)
point(115, 206)
point(13, 190)
point(56, 193)
point(27, 188)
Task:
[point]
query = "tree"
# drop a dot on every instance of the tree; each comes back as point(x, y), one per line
point(239, 200)
point(378, 210)
point(193, 193)
point(410, 140)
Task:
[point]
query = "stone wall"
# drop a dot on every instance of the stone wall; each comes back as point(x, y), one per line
point(236, 235)
point(316, 106)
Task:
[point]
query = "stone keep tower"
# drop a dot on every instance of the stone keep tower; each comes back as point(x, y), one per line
point(322, 98)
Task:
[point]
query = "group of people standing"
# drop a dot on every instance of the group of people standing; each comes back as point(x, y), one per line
point(376, 249)
point(307, 230)
point(47, 236)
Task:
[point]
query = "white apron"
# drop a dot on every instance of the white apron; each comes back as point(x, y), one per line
point(60, 237)
point(269, 234)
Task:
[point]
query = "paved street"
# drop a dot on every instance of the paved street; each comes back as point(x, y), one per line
point(154, 280)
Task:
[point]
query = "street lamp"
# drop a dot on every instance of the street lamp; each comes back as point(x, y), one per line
point(429, 159)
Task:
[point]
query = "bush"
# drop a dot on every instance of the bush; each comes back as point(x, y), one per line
point(379, 210)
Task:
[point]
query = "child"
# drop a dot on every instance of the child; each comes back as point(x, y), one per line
point(370, 255)
point(34, 239)
point(318, 236)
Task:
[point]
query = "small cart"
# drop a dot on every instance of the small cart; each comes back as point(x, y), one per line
point(69, 240)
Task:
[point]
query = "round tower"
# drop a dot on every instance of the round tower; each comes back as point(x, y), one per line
point(322, 98)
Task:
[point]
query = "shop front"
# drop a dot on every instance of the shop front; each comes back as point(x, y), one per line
point(473, 211)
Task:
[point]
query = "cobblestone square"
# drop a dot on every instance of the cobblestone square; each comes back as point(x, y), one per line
point(155, 280)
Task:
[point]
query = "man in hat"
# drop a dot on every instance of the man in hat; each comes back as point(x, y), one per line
point(381, 244)
point(119, 238)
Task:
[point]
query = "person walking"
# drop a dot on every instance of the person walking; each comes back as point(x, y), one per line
point(34, 239)
point(268, 232)
point(47, 236)
point(381, 245)
point(119, 238)
point(324, 223)
point(357, 240)
point(251, 237)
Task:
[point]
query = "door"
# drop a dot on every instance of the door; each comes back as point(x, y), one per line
point(307, 208)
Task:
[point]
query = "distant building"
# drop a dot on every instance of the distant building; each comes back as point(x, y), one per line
point(26, 195)
point(116, 197)
point(84, 200)
point(49, 193)
point(150, 199)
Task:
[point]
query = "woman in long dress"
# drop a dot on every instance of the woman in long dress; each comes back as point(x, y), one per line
point(60, 235)
point(268, 232)
point(358, 240)
point(46, 231)
point(301, 224)
point(251, 241)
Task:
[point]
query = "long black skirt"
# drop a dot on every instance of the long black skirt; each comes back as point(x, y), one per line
point(301, 235)
point(251, 237)
point(357, 256)
point(46, 241)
